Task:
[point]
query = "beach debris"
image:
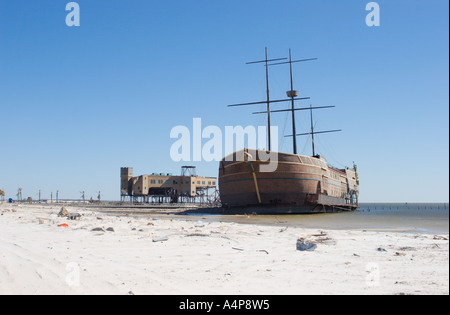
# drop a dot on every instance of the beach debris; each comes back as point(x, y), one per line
point(63, 212)
point(196, 234)
point(199, 224)
point(71, 216)
point(110, 229)
point(74, 216)
point(150, 223)
point(309, 242)
point(381, 249)
point(64, 225)
point(303, 245)
point(400, 254)
point(98, 229)
point(42, 220)
point(258, 250)
point(406, 248)
point(440, 238)
point(284, 229)
point(160, 239)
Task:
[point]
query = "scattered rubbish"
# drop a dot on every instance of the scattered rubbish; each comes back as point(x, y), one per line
point(441, 238)
point(74, 216)
point(407, 248)
point(284, 229)
point(42, 220)
point(150, 223)
point(98, 229)
point(64, 225)
point(305, 246)
point(400, 254)
point(259, 250)
point(309, 242)
point(160, 239)
point(196, 234)
point(63, 212)
point(110, 229)
point(71, 216)
point(381, 249)
point(199, 224)
point(356, 255)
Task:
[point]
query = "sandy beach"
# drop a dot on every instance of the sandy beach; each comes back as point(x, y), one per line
point(109, 254)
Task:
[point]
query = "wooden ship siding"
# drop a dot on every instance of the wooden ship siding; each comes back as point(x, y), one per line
point(294, 183)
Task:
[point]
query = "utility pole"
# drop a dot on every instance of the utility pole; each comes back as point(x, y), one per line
point(19, 194)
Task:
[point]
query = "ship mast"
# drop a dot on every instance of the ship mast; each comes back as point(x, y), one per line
point(312, 133)
point(268, 101)
point(266, 61)
point(292, 97)
point(292, 94)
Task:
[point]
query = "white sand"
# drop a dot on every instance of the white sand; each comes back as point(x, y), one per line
point(207, 258)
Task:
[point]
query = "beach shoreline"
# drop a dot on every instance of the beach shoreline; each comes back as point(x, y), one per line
point(107, 253)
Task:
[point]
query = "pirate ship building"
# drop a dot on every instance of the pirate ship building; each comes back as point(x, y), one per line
point(299, 184)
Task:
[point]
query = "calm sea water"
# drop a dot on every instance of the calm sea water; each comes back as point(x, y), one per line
point(430, 218)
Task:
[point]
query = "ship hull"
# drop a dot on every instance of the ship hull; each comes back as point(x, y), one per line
point(298, 185)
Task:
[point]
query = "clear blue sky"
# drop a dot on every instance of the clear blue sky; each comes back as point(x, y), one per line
point(77, 103)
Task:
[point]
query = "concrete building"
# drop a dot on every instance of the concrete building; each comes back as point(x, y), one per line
point(165, 187)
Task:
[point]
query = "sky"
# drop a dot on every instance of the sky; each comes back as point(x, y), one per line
point(77, 103)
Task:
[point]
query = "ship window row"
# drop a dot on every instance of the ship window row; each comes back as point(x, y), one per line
point(175, 182)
